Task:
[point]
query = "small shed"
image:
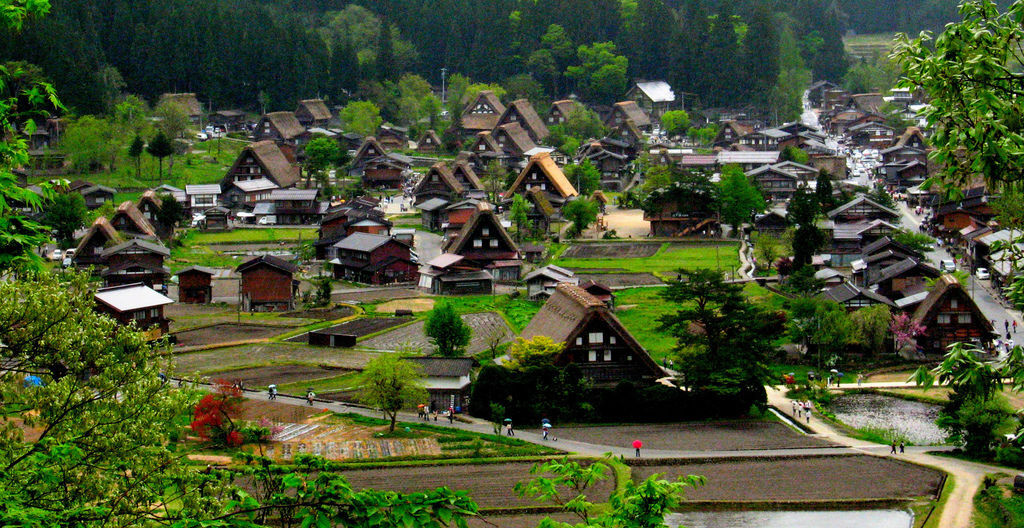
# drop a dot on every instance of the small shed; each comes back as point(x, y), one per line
point(195, 285)
point(405, 235)
point(332, 338)
point(217, 219)
point(447, 381)
point(532, 252)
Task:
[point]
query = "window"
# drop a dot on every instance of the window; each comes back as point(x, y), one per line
point(595, 337)
point(607, 355)
point(478, 243)
point(494, 242)
point(139, 315)
point(943, 319)
point(964, 318)
point(154, 312)
point(485, 231)
point(592, 355)
point(954, 303)
point(579, 340)
point(611, 340)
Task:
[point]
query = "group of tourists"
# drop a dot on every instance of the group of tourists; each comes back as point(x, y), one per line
point(802, 408)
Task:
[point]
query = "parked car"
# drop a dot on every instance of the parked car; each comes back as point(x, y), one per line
point(202, 136)
point(947, 266)
point(57, 255)
point(267, 220)
point(982, 273)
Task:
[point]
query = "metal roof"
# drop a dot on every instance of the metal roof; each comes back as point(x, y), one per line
point(206, 188)
point(259, 184)
point(131, 297)
point(657, 91)
point(765, 157)
point(432, 204)
point(362, 242)
point(293, 194)
point(444, 260)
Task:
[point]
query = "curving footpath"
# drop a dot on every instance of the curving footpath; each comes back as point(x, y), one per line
point(966, 477)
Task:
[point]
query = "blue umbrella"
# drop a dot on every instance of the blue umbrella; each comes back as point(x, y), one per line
point(544, 420)
point(32, 380)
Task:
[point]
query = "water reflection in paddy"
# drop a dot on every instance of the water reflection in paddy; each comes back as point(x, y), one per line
point(914, 420)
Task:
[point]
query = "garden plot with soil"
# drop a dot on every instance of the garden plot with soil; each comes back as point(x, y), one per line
point(226, 333)
point(622, 280)
point(483, 325)
point(814, 478)
point(490, 485)
point(336, 312)
point(614, 250)
point(280, 374)
point(376, 294)
point(697, 436)
point(359, 327)
point(214, 362)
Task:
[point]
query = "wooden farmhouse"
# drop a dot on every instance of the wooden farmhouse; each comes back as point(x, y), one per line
point(94, 195)
point(447, 381)
point(346, 220)
point(230, 120)
point(438, 182)
point(260, 168)
point(129, 221)
point(135, 304)
point(949, 315)
point(282, 128)
point(195, 285)
point(862, 208)
point(901, 279)
point(99, 236)
point(560, 111)
point(594, 338)
point(450, 274)
point(202, 196)
point(730, 132)
point(135, 261)
point(149, 204)
point(481, 114)
point(777, 185)
point(853, 297)
point(373, 259)
point(484, 243)
point(513, 140)
point(313, 113)
point(457, 215)
point(429, 142)
point(628, 110)
point(522, 112)
point(187, 101)
point(368, 150)
point(267, 285)
point(393, 137)
point(542, 172)
point(541, 282)
point(654, 97)
point(387, 172)
point(292, 206)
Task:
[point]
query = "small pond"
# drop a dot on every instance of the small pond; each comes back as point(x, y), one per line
point(914, 420)
point(793, 519)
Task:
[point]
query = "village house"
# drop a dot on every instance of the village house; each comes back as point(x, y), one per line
point(681, 210)
point(974, 208)
point(816, 93)
point(541, 283)
point(429, 142)
point(373, 259)
point(292, 206)
point(449, 274)
point(267, 285)
point(901, 279)
point(432, 213)
point(228, 120)
point(776, 184)
point(543, 172)
point(135, 261)
point(541, 215)
point(446, 380)
point(466, 176)
point(773, 223)
point(94, 195)
point(393, 137)
point(730, 132)
point(216, 218)
point(149, 205)
point(457, 214)
point(282, 128)
point(481, 115)
point(346, 220)
point(628, 110)
point(594, 338)
point(615, 168)
point(438, 182)
point(522, 112)
point(871, 135)
point(386, 172)
point(600, 292)
point(313, 113)
point(484, 243)
point(747, 160)
point(136, 304)
point(202, 196)
point(179, 195)
point(913, 138)
point(880, 254)
point(513, 140)
point(260, 168)
point(195, 285)
point(560, 111)
point(188, 102)
point(98, 237)
point(903, 175)
point(949, 315)
point(850, 239)
point(369, 149)
point(862, 208)
point(653, 97)
point(853, 297)
point(128, 220)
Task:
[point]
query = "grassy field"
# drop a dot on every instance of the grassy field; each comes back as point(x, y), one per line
point(998, 507)
point(346, 381)
point(198, 255)
point(517, 311)
point(206, 163)
point(670, 257)
point(254, 235)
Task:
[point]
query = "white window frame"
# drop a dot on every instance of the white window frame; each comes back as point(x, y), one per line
point(595, 337)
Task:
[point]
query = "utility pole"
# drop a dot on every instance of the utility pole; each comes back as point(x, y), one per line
point(444, 73)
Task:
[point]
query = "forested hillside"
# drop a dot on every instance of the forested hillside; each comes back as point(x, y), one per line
point(266, 55)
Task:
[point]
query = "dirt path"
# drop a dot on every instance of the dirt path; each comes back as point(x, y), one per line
point(965, 477)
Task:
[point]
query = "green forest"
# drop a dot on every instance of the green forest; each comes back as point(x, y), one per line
point(265, 55)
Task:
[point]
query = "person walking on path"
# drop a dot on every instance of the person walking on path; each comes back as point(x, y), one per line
point(901, 447)
point(1006, 325)
point(892, 450)
point(1014, 324)
point(309, 397)
point(451, 415)
point(637, 445)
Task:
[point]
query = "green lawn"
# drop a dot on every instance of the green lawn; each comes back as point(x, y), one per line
point(205, 164)
point(346, 381)
point(670, 257)
point(256, 235)
point(998, 507)
point(517, 311)
point(183, 257)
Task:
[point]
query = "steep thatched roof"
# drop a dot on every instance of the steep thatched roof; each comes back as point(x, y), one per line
point(550, 169)
point(286, 124)
point(441, 170)
point(476, 121)
point(483, 215)
point(633, 111)
point(276, 166)
point(100, 227)
point(128, 210)
point(188, 101)
point(517, 139)
point(945, 286)
point(465, 173)
point(529, 120)
point(315, 108)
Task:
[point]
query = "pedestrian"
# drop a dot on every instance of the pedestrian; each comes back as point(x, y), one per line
point(1014, 324)
point(435, 415)
point(892, 450)
point(1010, 344)
point(793, 402)
point(901, 448)
point(508, 429)
point(637, 445)
point(860, 379)
point(545, 437)
point(309, 397)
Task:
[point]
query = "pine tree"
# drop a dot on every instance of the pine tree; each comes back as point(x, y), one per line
point(135, 152)
point(160, 147)
point(385, 53)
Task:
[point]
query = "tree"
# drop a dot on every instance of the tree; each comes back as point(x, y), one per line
point(795, 154)
point(534, 352)
point(215, 414)
point(970, 76)
point(172, 119)
point(584, 176)
point(739, 198)
point(390, 383)
point(170, 212)
point(581, 212)
point(675, 121)
point(786, 96)
point(601, 75)
point(135, 150)
point(361, 117)
point(803, 212)
point(881, 195)
point(496, 179)
point(321, 154)
point(518, 213)
point(919, 242)
point(524, 86)
point(722, 339)
point(802, 281)
point(822, 323)
point(871, 327)
point(160, 147)
point(130, 113)
point(447, 331)
point(904, 329)
point(769, 248)
point(583, 123)
point(823, 190)
point(90, 143)
point(66, 215)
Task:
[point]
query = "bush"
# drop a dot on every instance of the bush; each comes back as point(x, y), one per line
point(1011, 456)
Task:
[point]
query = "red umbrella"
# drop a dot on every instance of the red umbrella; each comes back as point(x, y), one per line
point(637, 444)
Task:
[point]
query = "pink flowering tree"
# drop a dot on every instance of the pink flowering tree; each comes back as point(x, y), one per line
point(904, 329)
